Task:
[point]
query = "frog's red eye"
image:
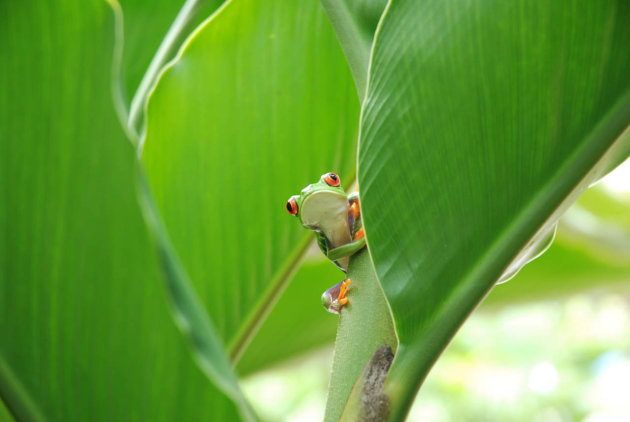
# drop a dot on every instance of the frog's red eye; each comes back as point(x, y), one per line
point(332, 179)
point(292, 206)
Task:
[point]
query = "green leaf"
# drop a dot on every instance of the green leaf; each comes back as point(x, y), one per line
point(365, 324)
point(354, 23)
point(85, 328)
point(191, 14)
point(5, 416)
point(146, 25)
point(298, 323)
point(483, 121)
point(258, 105)
point(190, 316)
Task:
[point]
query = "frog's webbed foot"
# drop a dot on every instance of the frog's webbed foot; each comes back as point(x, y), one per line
point(335, 298)
point(343, 290)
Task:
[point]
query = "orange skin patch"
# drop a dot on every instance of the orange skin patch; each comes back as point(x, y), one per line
point(360, 234)
point(356, 209)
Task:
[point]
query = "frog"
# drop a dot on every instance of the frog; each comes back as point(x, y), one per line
point(335, 217)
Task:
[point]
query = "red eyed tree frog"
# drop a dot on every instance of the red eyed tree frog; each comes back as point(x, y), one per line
point(334, 216)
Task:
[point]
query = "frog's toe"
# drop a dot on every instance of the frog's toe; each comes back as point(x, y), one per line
point(343, 291)
point(344, 288)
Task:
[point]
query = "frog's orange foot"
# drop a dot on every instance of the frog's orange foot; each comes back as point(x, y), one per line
point(343, 292)
point(360, 234)
point(342, 300)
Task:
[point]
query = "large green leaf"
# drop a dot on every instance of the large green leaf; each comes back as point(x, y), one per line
point(259, 104)
point(85, 328)
point(482, 121)
point(146, 25)
point(354, 23)
point(143, 25)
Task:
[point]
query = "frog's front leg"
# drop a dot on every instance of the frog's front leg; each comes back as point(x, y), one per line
point(335, 298)
point(348, 249)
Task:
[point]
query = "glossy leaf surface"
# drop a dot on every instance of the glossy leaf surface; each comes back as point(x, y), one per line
point(259, 105)
point(482, 118)
point(85, 331)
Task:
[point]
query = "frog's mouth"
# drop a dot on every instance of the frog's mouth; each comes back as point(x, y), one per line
point(327, 213)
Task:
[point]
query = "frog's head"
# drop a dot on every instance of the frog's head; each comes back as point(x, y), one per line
point(318, 199)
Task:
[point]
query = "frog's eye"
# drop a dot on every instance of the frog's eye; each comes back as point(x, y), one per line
point(292, 206)
point(332, 179)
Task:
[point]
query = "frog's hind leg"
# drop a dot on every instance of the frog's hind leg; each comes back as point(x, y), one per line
point(335, 298)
